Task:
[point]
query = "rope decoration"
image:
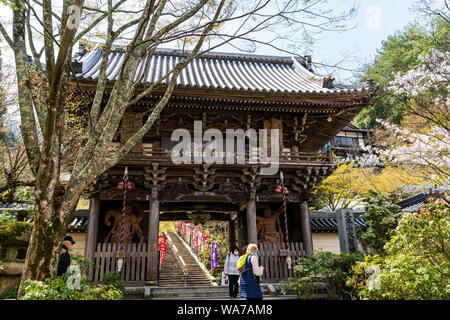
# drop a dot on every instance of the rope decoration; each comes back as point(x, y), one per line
point(122, 226)
point(288, 252)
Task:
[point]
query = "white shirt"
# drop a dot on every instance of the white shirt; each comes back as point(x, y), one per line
point(230, 266)
point(257, 271)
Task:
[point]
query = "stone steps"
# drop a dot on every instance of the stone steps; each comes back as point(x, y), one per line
point(206, 292)
point(171, 275)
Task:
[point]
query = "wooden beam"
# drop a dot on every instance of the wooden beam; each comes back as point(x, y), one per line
point(153, 233)
point(306, 229)
point(251, 222)
point(92, 232)
point(232, 234)
point(242, 234)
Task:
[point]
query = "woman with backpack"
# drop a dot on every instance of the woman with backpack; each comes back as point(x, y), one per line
point(230, 270)
point(252, 273)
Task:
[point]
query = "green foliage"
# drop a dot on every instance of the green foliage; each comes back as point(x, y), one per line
point(58, 289)
point(113, 279)
point(82, 262)
point(222, 250)
point(12, 294)
point(6, 216)
point(381, 216)
point(327, 267)
point(417, 262)
point(399, 53)
point(10, 230)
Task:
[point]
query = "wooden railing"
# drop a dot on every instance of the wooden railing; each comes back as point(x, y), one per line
point(285, 157)
point(135, 264)
point(273, 257)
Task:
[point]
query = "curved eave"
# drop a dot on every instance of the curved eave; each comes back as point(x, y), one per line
point(314, 98)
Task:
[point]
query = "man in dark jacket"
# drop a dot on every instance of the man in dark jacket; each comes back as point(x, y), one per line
point(64, 260)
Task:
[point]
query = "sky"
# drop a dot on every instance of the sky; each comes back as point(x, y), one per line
point(375, 21)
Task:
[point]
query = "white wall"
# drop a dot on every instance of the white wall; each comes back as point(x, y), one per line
point(326, 241)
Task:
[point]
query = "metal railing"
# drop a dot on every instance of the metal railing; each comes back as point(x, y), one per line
point(183, 266)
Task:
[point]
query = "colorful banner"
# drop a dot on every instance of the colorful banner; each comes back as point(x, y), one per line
point(201, 242)
point(196, 240)
point(162, 248)
point(214, 246)
point(206, 245)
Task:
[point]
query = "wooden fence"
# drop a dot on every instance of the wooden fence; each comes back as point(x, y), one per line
point(135, 264)
point(273, 258)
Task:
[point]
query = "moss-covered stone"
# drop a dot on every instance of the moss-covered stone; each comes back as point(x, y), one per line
point(15, 233)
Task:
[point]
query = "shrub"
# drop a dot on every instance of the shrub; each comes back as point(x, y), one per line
point(60, 289)
point(381, 217)
point(82, 262)
point(417, 262)
point(113, 279)
point(327, 267)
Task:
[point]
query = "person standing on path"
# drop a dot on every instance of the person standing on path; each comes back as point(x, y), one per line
point(252, 273)
point(64, 260)
point(231, 271)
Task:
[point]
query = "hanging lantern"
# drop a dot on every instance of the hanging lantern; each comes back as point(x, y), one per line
point(278, 190)
point(130, 185)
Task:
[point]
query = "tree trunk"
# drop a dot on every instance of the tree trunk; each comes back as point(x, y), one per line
point(46, 240)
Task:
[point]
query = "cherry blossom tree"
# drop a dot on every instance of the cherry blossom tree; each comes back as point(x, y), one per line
point(426, 88)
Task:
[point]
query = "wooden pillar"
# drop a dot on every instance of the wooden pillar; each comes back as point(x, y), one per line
point(232, 234)
point(306, 229)
point(153, 233)
point(251, 222)
point(242, 234)
point(92, 233)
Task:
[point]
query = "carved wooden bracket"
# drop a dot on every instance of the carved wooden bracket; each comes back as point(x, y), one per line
point(251, 180)
point(154, 176)
point(307, 179)
point(204, 178)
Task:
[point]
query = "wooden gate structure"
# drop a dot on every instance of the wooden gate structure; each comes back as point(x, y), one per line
point(220, 91)
point(134, 267)
point(272, 256)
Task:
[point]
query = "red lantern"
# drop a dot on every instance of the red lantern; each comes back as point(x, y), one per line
point(130, 185)
point(278, 190)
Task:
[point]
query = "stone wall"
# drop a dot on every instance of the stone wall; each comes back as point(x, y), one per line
point(14, 238)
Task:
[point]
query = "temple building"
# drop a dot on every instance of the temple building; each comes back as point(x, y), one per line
point(217, 91)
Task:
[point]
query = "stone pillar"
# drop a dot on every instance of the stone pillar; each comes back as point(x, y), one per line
point(346, 229)
point(92, 232)
point(153, 233)
point(251, 222)
point(306, 229)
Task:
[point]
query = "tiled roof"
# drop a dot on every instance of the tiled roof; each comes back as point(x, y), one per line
point(222, 71)
point(80, 221)
point(325, 221)
point(413, 203)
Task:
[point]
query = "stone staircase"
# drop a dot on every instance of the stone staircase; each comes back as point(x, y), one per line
point(269, 291)
point(197, 285)
point(171, 275)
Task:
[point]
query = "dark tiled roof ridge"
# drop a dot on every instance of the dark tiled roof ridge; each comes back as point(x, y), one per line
point(213, 55)
point(418, 198)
